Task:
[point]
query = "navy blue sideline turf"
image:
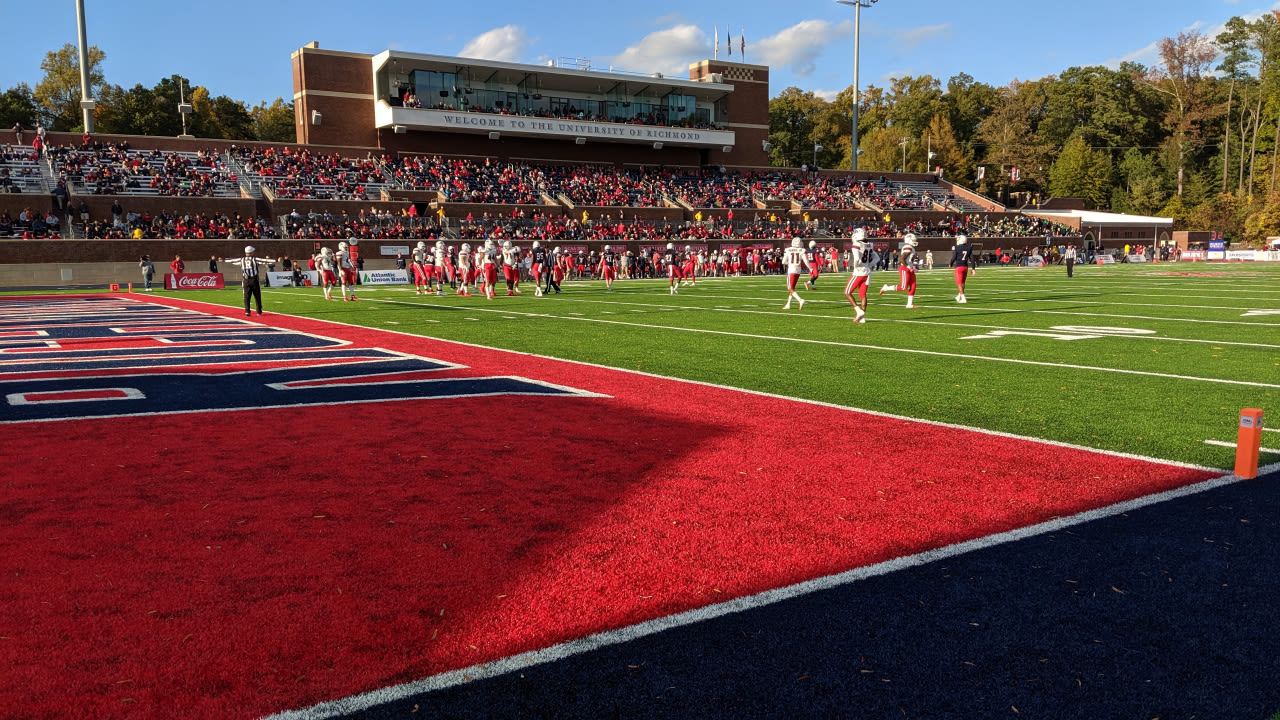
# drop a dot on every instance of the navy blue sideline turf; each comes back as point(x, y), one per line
point(1170, 611)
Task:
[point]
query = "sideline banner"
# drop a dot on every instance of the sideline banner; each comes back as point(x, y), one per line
point(193, 281)
point(384, 277)
point(1242, 255)
point(1137, 258)
point(1192, 255)
point(1106, 259)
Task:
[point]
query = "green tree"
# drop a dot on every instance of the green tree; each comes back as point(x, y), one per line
point(137, 111)
point(792, 117)
point(1080, 171)
point(58, 93)
point(881, 149)
point(914, 101)
point(1144, 190)
point(18, 105)
point(221, 117)
point(947, 151)
point(275, 122)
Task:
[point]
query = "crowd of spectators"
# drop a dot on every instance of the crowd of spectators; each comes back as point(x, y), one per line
point(146, 226)
point(293, 173)
point(365, 226)
point(30, 225)
point(115, 169)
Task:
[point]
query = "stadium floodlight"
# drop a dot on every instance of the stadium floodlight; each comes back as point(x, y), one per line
point(857, 27)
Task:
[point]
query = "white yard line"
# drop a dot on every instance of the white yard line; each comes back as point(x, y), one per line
point(1220, 443)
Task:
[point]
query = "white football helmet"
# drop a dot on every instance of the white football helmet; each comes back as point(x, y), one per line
point(797, 242)
point(910, 240)
point(422, 245)
point(687, 248)
point(342, 246)
point(961, 239)
point(466, 248)
point(506, 244)
point(606, 248)
point(557, 251)
point(488, 244)
point(671, 246)
point(536, 244)
point(813, 244)
point(440, 244)
point(326, 252)
point(859, 235)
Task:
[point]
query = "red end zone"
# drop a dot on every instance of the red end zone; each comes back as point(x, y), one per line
point(233, 564)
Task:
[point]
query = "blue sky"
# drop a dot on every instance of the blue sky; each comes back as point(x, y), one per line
point(241, 48)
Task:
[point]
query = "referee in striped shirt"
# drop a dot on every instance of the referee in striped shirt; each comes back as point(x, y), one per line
point(250, 276)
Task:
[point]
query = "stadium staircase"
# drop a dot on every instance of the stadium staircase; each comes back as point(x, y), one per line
point(248, 187)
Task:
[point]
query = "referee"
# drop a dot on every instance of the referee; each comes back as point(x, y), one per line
point(250, 277)
point(1070, 258)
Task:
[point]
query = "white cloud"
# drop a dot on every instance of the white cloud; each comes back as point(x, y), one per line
point(505, 44)
point(798, 46)
point(828, 95)
point(666, 51)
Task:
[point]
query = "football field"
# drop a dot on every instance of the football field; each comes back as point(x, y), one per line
point(1154, 360)
point(629, 503)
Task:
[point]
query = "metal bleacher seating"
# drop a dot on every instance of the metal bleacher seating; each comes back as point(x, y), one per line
point(20, 171)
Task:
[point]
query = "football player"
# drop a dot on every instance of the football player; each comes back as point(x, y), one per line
point(962, 259)
point(464, 269)
point(906, 270)
point(418, 260)
point(671, 258)
point(346, 272)
point(862, 257)
point(538, 267)
point(795, 258)
point(608, 266)
point(325, 266)
point(511, 267)
point(815, 265)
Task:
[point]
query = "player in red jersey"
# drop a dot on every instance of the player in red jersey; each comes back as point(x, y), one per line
point(418, 262)
point(906, 270)
point(511, 267)
point(795, 258)
point(815, 265)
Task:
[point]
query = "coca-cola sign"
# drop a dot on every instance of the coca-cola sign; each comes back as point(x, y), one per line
point(193, 281)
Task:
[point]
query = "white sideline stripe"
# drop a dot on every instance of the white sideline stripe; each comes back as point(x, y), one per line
point(1267, 429)
point(365, 701)
point(1221, 443)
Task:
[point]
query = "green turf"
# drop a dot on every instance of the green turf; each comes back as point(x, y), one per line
point(1181, 386)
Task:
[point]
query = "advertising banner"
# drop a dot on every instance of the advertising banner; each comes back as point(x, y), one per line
point(393, 250)
point(384, 277)
point(193, 281)
point(1193, 255)
point(1242, 255)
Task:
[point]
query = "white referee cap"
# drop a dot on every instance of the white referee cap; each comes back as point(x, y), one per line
point(248, 249)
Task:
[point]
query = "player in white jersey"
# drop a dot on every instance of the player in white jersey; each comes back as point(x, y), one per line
point(418, 261)
point(346, 271)
point(906, 270)
point(464, 269)
point(489, 268)
point(511, 267)
point(327, 270)
point(440, 259)
point(862, 257)
point(795, 260)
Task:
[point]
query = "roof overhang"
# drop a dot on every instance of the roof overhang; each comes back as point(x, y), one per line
point(550, 77)
point(1096, 218)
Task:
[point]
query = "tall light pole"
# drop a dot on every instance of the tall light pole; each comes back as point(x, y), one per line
point(857, 32)
point(86, 102)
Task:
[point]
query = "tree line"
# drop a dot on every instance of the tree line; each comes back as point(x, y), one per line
point(1193, 138)
point(55, 103)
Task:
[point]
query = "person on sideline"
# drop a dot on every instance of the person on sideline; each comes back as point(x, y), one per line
point(148, 272)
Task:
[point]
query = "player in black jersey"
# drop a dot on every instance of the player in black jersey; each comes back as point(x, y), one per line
point(962, 260)
point(608, 266)
point(538, 267)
